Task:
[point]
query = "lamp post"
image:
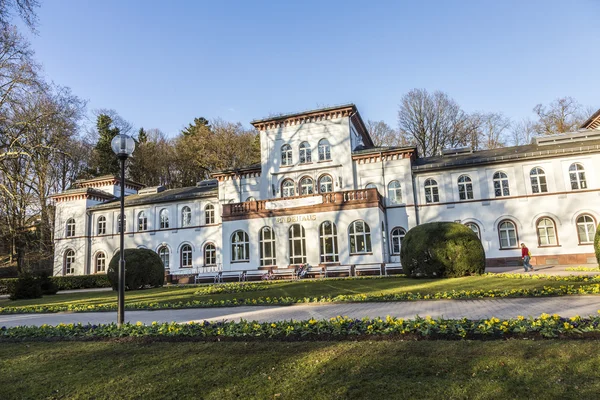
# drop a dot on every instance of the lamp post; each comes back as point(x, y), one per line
point(123, 147)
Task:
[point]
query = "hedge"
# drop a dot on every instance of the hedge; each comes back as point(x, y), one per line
point(546, 326)
point(64, 282)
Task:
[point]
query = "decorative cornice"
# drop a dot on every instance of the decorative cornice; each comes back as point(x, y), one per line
point(387, 155)
point(303, 118)
point(229, 175)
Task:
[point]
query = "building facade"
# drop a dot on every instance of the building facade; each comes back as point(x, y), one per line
point(324, 195)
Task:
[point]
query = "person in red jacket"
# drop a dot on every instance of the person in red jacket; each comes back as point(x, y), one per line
point(526, 256)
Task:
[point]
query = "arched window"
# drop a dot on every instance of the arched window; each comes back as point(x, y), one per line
point(324, 150)
point(538, 180)
point(267, 247)
point(432, 194)
point(69, 262)
point(250, 199)
point(71, 227)
point(586, 229)
point(305, 153)
point(370, 186)
point(360, 237)
point(465, 187)
point(287, 188)
point(325, 184)
point(124, 223)
point(475, 228)
point(546, 232)
point(240, 246)
point(186, 216)
point(210, 254)
point(328, 241)
point(100, 262)
point(306, 186)
point(102, 225)
point(297, 244)
point(577, 176)
point(397, 238)
point(142, 221)
point(163, 252)
point(209, 214)
point(501, 188)
point(286, 154)
point(186, 256)
point(164, 218)
point(508, 235)
point(395, 192)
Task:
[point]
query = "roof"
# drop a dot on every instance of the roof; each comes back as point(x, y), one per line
point(501, 155)
point(302, 113)
point(83, 191)
point(363, 150)
point(98, 179)
point(185, 193)
point(593, 122)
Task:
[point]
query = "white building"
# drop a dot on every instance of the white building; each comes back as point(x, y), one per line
point(323, 194)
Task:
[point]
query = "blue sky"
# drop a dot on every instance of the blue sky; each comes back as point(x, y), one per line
point(160, 64)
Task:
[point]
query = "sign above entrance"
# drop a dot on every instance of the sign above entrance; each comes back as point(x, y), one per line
point(291, 203)
point(296, 218)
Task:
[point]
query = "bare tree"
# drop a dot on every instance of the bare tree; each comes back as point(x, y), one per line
point(383, 135)
point(433, 121)
point(562, 115)
point(522, 132)
point(488, 130)
point(24, 8)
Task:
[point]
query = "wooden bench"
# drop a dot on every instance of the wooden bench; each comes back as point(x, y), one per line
point(392, 267)
point(223, 275)
point(338, 269)
point(284, 272)
point(253, 273)
point(315, 272)
point(367, 268)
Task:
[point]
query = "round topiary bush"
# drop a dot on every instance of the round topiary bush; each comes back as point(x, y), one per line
point(26, 287)
point(597, 244)
point(441, 249)
point(143, 269)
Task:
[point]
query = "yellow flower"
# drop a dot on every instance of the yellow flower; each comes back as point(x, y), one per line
point(520, 318)
point(312, 321)
point(273, 326)
point(139, 323)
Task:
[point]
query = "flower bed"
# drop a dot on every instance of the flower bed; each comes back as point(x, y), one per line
point(546, 326)
point(408, 296)
point(585, 269)
point(556, 278)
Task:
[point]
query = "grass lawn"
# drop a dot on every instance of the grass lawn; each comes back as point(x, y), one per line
point(514, 369)
point(299, 290)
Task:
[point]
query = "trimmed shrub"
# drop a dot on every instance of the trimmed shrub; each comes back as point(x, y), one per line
point(63, 282)
point(597, 244)
point(441, 249)
point(143, 268)
point(47, 284)
point(27, 287)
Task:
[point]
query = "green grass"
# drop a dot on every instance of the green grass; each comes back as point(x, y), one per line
point(298, 290)
point(311, 370)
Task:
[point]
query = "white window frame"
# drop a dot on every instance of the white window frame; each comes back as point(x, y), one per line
point(119, 223)
point(324, 150)
point(328, 238)
point(395, 192)
point(142, 221)
point(186, 216)
point(296, 259)
point(69, 262)
point(267, 243)
point(240, 246)
point(306, 186)
point(164, 254)
point(210, 254)
point(577, 176)
point(101, 225)
point(363, 238)
point(504, 228)
point(432, 192)
point(539, 183)
point(546, 232)
point(100, 262)
point(477, 230)
point(305, 153)
point(582, 222)
point(164, 218)
point(328, 185)
point(209, 214)
point(185, 258)
point(286, 155)
point(397, 236)
point(465, 188)
point(70, 230)
point(288, 188)
point(501, 184)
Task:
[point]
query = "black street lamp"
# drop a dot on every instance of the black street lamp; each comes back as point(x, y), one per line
point(123, 147)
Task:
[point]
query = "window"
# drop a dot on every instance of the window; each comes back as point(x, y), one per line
point(102, 225)
point(397, 238)
point(305, 153)
point(508, 235)
point(475, 228)
point(240, 246)
point(100, 262)
point(286, 154)
point(186, 216)
point(297, 244)
point(577, 176)
point(119, 224)
point(186, 256)
point(371, 186)
point(395, 192)
point(210, 254)
point(538, 180)
point(501, 184)
point(324, 150)
point(328, 242)
point(209, 214)
point(70, 227)
point(360, 237)
point(142, 221)
point(465, 187)
point(287, 188)
point(69, 267)
point(267, 247)
point(164, 218)
point(586, 229)
point(250, 199)
point(432, 194)
point(546, 232)
point(325, 184)
point(306, 186)
point(163, 252)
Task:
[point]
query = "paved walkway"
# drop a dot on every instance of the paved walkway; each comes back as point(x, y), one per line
point(567, 306)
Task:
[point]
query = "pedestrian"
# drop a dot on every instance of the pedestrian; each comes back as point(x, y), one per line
point(526, 256)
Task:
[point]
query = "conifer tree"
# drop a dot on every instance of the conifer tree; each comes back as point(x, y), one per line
point(105, 161)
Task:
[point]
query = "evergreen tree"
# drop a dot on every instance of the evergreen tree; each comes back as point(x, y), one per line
point(105, 161)
point(192, 129)
point(142, 136)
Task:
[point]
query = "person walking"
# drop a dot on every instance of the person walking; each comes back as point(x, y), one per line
point(526, 256)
